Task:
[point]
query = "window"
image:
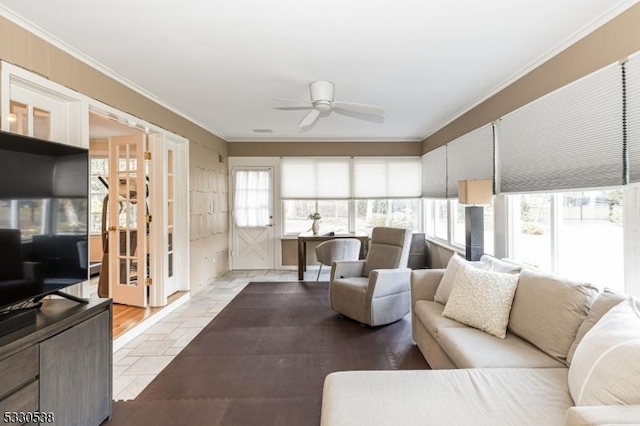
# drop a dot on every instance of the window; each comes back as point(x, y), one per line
point(398, 213)
point(441, 218)
point(457, 223)
point(489, 244)
point(438, 221)
point(99, 167)
point(252, 198)
point(592, 222)
point(334, 213)
point(562, 232)
point(531, 237)
point(351, 194)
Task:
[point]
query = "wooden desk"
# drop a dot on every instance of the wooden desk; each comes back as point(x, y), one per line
point(306, 237)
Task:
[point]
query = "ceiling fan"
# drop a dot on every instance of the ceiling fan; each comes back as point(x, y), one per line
point(322, 100)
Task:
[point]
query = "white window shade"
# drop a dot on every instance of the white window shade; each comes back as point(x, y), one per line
point(469, 157)
point(316, 178)
point(434, 173)
point(633, 117)
point(569, 139)
point(397, 177)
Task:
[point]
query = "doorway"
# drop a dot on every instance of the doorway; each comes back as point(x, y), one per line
point(253, 228)
point(119, 210)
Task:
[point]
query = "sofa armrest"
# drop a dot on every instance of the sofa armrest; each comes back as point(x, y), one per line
point(346, 268)
point(424, 283)
point(385, 282)
point(603, 415)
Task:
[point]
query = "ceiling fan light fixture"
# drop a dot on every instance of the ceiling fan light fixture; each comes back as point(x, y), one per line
point(322, 105)
point(322, 91)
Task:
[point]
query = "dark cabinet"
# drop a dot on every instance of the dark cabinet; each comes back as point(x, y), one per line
point(60, 365)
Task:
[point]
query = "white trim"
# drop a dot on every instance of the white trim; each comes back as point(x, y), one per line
point(501, 226)
point(569, 41)
point(631, 239)
point(295, 139)
point(56, 42)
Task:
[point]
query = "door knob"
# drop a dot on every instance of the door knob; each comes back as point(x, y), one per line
point(113, 228)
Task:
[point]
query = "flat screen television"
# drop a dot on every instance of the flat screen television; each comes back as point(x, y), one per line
point(43, 218)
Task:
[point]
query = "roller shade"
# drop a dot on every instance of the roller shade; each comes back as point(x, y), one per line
point(317, 178)
point(633, 117)
point(395, 177)
point(434, 173)
point(469, 157)
point(568, 139)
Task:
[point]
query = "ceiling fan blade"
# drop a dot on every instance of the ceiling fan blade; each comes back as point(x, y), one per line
point(293, 108)
point(361, 108)
point(310, 118)
point(379, 119)
point(294, 103)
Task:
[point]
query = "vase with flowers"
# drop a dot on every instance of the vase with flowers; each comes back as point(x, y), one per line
point(315, 226)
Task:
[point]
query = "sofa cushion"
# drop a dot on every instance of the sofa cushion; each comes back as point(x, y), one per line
point(498, 265)
point(606, 366)
point(430, 316)
point(501, 396)
point(548, 310)
point(605, 301)
point(454, 265)
point(471, 348)
point(482, 299)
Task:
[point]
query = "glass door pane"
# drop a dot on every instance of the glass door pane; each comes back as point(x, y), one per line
point(18, 118)
point(170, 211)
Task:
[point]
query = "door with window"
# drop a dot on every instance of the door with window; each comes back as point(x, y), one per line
point(253, 234)
point(128, 220)
point(172, 225)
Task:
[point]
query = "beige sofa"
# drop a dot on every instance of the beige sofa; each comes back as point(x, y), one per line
point(485, 380)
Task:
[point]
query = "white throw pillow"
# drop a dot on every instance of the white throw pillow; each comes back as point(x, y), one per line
point(482, 299)
point(605, 369)
point(446, 283)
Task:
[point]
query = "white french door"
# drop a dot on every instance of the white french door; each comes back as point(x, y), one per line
point(128, 263)
point(172, 230)
point(253, 233)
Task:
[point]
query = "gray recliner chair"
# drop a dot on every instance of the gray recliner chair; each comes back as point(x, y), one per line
point(374, 291)
point(337, 249)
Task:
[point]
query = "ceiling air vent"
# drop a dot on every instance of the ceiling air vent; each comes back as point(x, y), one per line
point(262, 131)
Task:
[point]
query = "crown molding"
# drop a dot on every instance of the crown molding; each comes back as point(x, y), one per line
point(56, 42)
point(569, 41)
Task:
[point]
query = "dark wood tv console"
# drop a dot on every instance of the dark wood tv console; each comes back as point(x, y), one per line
point(59, 368)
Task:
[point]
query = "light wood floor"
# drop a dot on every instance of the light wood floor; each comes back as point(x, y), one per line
point(126, 317)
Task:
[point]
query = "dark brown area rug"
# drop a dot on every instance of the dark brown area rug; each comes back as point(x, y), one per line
point(263, 360)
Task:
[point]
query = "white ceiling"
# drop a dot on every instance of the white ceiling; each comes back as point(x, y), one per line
point(220, 63)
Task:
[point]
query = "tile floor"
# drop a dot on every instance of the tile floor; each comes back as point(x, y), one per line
point(139, 361)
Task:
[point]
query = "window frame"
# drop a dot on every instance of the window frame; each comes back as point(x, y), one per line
point(430, 215)
point(352, 214)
